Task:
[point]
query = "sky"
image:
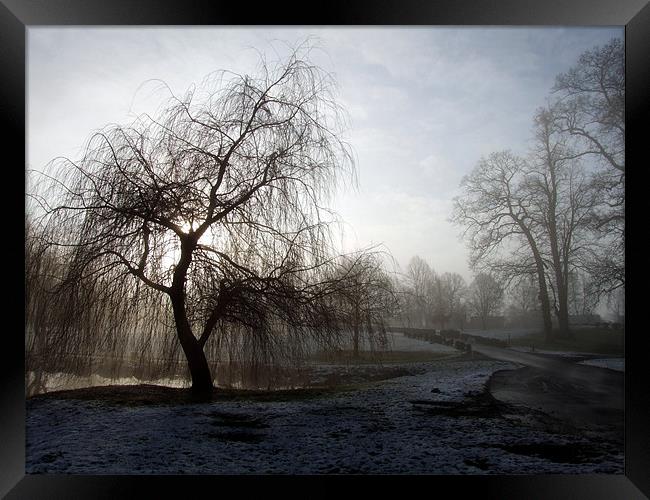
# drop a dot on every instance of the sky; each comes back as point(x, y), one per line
point(425, 104)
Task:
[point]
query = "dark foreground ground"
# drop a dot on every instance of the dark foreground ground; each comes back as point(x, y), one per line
point(458, 415)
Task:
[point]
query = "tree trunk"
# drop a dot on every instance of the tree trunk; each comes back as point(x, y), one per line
point(541, 279)
point(563, 313)
point(560, 283)
point(546, 305)
point(370, 332)
point(553, 236)
point(202, 384)
point(355, 337)
point(197, 363)
point(562, 298)
point(565, 291)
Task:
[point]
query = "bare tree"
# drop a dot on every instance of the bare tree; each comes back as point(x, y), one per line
point(548, 215)
point(421, 278)
point(209, 214)
point(367, 298)
point(456, 292)
point(583, 297)
point(497, 212)
point(485, 297)
point(524, 295)
point(437, 300)
point(616, 305)
point(589, 106)
point(563, 204)
point(523, 301)
point(591, 102)
point(536, 211)
point(447, 291)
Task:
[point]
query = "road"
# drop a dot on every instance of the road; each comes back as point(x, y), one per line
point(586, 397)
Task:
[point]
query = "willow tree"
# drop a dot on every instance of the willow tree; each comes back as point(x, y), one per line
point(214, 208)
point(366, 298)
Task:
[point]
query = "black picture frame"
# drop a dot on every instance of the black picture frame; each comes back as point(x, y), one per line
point(16, 16)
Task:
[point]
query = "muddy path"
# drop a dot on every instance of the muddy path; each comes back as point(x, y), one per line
point(594, 408)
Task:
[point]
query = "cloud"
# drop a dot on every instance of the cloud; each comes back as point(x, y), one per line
point(425, 104)
point(406, 225)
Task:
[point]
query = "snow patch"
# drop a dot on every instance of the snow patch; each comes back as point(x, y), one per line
point(617, 364)
point(376, 429)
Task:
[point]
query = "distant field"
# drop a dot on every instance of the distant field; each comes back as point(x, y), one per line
point(596, 340)
point(365, 357)
point(401, 349)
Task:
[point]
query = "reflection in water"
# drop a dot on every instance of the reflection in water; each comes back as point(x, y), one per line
point(48, 382)
point(228, 375)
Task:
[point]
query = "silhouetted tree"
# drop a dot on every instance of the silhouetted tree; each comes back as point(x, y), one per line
point(591, 102)
point(583, 297)
point(455, 291)
point(367, 298)
point(420, 281)
point(563, 202)
point(547, 215)
point(446, 291)
point(210, 211)
point(485, 297)
point(496, 210)
point(523, 301)
point(589, 106)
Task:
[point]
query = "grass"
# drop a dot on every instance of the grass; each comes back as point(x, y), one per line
point(585, 339)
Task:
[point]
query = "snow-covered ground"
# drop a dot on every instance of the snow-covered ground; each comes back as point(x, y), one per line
point(617, 364)
point(392, 426)
point(559, 354)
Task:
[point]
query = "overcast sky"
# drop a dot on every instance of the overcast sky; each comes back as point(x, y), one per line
point(425, 104)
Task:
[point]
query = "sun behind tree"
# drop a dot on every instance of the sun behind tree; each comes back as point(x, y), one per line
point(232, 185)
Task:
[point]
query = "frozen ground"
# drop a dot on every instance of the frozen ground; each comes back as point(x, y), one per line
point(437, 420)
point(617, 364)
point(557, 354)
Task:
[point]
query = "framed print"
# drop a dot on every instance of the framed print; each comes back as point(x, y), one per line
point(385, 242)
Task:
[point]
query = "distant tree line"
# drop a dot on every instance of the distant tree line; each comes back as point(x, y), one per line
point(444, 300)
